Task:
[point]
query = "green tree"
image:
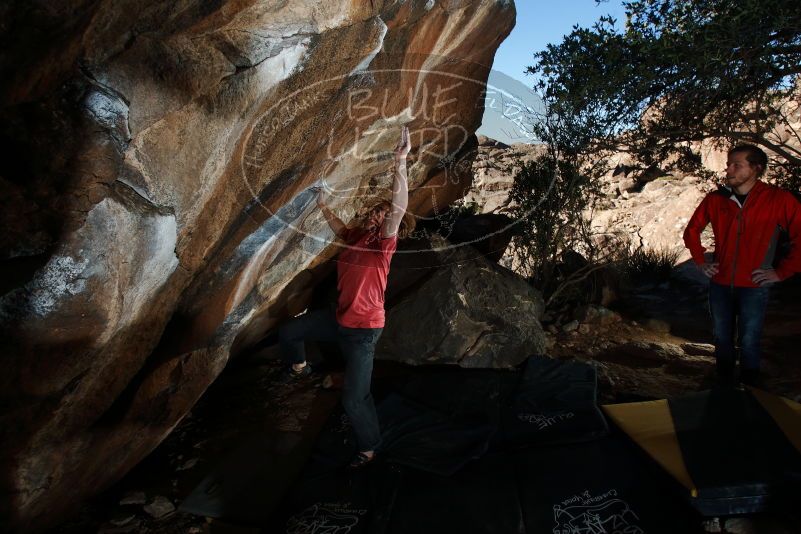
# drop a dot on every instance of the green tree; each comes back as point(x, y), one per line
point(549, 195)
point(552, 198)
point(683, 71)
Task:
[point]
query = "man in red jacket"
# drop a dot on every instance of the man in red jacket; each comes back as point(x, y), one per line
point(747, 217)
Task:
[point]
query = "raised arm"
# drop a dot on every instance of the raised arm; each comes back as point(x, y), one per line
point(400, 187)
point(333, 221)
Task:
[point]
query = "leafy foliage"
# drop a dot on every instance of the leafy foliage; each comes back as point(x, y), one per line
point(683, 71)
point(551, 198)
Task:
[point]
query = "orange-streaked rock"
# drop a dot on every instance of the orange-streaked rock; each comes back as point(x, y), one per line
point(156, 144)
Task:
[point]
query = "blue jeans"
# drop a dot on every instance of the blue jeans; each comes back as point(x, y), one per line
point(358, 348)
point(740, 310)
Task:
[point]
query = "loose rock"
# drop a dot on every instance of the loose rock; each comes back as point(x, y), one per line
point(160, 507)
point(698, 349)
point(657, 325)
point(122, 519)
point(570, 327)
point(134, 497)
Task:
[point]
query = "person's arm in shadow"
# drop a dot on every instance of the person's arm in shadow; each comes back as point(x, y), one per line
point(333, 221)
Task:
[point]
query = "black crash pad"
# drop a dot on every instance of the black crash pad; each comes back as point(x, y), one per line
point(339, 500)
point(481, 497)
point(604, 486)
point(428, 440)
point(736, 454)
point(555, 403)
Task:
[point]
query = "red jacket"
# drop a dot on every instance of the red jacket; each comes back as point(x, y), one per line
point(745, 237)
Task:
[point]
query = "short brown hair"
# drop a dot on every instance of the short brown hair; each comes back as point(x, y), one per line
point(753, 155)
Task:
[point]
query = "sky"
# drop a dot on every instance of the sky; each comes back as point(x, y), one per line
point(539, 22)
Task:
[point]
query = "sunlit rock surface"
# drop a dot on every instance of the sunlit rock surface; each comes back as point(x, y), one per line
point(158, 211)
point(653, 213)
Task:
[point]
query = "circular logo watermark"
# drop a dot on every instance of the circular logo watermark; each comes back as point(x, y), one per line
point(351, 126)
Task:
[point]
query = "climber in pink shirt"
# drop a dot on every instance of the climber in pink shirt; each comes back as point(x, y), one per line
point(362, 269)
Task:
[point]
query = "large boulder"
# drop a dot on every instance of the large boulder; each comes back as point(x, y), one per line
point(470, 312)
point(159, 159)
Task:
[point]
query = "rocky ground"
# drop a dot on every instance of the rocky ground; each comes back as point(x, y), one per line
point(653, 343)
point(656, 342)
point(246, 401)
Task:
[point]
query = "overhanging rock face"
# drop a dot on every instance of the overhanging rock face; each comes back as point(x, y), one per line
point(157, 199)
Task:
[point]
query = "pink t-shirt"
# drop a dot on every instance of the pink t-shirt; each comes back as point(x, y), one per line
point(362, 269)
